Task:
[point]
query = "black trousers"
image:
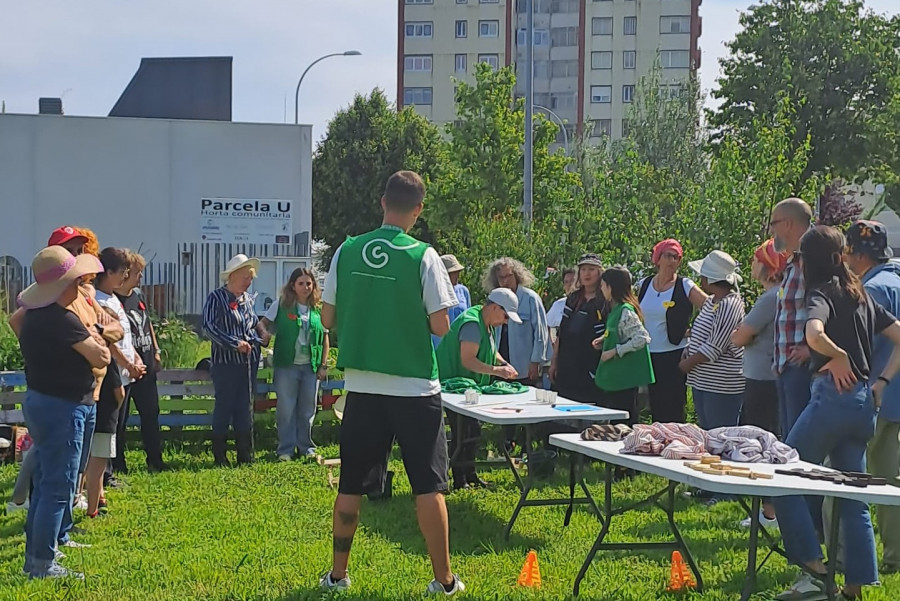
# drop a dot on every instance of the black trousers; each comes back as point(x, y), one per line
point(668, 396)
point(145, 396)
point(623, 400)
point(463, 465)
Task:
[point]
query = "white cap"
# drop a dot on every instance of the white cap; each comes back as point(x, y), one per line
point(507, 299)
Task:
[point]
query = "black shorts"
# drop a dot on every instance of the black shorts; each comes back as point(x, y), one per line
point(760, 405)
point(371, 424)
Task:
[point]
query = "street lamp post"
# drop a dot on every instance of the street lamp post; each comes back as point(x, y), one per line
point(562, 125)
point(528, 184)
point(321, 58)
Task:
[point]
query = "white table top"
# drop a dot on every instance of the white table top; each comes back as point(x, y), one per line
point(531, 412)
point(779, 486)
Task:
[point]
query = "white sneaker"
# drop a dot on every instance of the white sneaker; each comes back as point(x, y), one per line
point(284, 458)
point(73, 545)
point(81, 503)
point(805, 588)
point(56, 571)
point(58, 555)
point(763, 521)
point(436, 588)
point(11, 507)
point(327, 583)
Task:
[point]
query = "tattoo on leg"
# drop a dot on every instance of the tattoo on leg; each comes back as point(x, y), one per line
point(342, 544)
point(347, 519)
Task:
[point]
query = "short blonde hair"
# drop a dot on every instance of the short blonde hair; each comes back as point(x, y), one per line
point(136, 260)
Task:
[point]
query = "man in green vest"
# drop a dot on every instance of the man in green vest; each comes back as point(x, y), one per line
point(469, 350)
point(386, 294)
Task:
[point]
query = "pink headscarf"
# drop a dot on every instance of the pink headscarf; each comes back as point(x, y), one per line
point(667, 245)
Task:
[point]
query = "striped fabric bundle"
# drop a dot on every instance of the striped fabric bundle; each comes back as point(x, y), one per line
point(749, 444)
point(671, 441)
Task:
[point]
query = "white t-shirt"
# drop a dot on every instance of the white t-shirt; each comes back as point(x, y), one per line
point(126, 345)
point(301, 350)
point(655, 316)
point(555, 314)
point(437, 294)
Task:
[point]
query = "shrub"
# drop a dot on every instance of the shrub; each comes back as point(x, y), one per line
point(179, 345)
point(10, 354)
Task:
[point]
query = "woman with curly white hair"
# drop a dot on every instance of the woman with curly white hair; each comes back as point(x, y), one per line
point(525, 346)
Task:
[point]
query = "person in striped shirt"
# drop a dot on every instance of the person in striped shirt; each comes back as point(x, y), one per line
point(236, 333)
point(713, 364)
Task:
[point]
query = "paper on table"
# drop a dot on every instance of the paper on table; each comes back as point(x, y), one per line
point(575, 408)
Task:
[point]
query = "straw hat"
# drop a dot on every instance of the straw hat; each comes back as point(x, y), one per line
point(238, 262)
point(54, 270)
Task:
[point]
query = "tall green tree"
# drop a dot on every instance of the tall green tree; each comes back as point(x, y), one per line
point(485, 169)
point(833, 59)
point(366, 143)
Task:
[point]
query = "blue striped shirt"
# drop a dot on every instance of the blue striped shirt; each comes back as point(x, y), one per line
point(227, 320)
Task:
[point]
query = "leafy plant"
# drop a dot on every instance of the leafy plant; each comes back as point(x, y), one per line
point(10, 354)
point(179, 345)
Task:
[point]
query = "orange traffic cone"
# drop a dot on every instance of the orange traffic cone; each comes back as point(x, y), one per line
point(680, 577)
point(531, 572)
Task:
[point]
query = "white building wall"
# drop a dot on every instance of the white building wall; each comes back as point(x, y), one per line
point(138, 182)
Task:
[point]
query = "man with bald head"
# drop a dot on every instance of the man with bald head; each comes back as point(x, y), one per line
point(791, 219)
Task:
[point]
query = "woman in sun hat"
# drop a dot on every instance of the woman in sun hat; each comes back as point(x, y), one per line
point(236, 335)
point(59, 353)
point(713, 364)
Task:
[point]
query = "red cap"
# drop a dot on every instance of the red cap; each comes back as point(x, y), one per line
point(64, 234)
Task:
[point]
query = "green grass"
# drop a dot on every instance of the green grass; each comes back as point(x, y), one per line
point(264, 533)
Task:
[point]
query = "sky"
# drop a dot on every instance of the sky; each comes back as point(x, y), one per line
point(87, 51)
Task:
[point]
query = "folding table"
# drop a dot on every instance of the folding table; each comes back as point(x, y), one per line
point(676, 473)
point(524, 410)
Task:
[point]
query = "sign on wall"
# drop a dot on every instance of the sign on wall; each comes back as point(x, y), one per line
point(249, 221)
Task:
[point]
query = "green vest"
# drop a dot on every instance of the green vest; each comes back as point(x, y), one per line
point(287, 330)
point(382, 322)
point(628, 371)
point(448, 355)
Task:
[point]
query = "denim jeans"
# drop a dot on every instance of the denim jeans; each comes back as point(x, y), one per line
point(838, 426)
point(793, 395)
point(233, 404)
point(296, 387)
point(90, 420)
point(716, 409)
point(57, 427)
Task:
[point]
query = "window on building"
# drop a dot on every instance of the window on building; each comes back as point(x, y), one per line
point(562, 100)
point(540, 6)
point(421, 63)
point(629, 59)
point(413, 96)
point(671, 91)
point(541, 37)
point(419, 29)
point(462, 29)
point(601, 60)
point(626, 128)
point(630, 26)
point(602, 26)
point(601, 94)
point(601, 127)
point(542, 99)
point(564, 6)
point(488, 1)
point(488, 29)
point(564, 36)
point(567, 68)
point(627, 93)
point(492, 59)
point(462, 1)
point(420, 1)
point(569, 135)
point(460, 63)
point(675, 59)
point(675, 24)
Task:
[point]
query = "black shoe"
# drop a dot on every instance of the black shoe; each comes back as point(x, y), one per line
point(461, 485)
point(220, 458)
point(476, 482)
point(244, 443)
point(113, 482)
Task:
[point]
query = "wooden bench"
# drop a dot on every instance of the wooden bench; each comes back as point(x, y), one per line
point(186, 398)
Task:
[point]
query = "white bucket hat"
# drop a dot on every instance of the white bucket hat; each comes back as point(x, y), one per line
point(508, 300)
point(718, 266)
point(238, 262)
point(451, 263)
point(54, 270)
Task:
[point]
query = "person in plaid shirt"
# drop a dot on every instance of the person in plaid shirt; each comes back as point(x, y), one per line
point(791, 218)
